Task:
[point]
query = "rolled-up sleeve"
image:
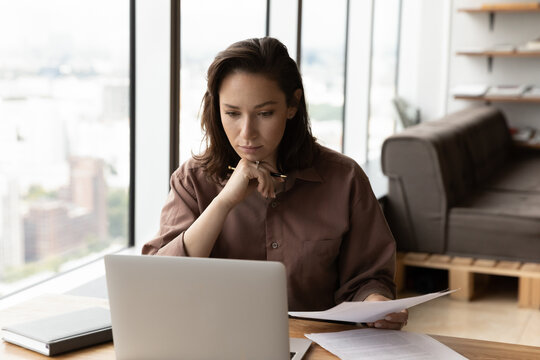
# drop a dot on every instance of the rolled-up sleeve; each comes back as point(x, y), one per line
point(180, 211)
point(367, 256)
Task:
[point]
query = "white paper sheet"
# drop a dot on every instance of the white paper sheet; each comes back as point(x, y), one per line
point(367, 311)
point(383, 344)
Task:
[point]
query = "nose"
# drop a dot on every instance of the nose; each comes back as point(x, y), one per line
point(248, 128)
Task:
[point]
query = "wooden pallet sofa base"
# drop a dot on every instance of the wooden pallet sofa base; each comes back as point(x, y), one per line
point(461, 271)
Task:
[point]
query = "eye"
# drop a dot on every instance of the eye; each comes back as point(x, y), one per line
point(266, 113)
point(232, 113)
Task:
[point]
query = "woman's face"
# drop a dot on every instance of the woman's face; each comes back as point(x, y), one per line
point(254, 113)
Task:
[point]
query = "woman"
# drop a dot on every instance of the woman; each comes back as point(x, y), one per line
point(265, 190)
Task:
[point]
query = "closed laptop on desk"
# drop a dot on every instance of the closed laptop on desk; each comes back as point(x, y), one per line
point(195, 308)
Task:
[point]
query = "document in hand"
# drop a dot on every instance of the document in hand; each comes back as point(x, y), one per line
point(367, 311)
point(57, 334)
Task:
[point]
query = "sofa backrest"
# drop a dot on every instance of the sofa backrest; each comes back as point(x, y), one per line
point(487, 139)
point(434, 166)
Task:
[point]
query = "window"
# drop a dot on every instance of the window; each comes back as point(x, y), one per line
point(64, 135)
point(384, 57)
point(231, 21)
point(349, 102)
point(322, 65)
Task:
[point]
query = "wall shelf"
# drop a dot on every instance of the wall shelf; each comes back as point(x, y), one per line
point(490, 99)
point(516, 10)
point(491, 12)
point(491, 54)
point(513, 48)
point(518, 54)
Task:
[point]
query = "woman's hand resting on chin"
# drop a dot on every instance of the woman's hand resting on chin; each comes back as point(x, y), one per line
point(247, 177)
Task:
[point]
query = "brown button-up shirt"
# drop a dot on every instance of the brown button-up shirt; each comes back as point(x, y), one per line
point(326, 227)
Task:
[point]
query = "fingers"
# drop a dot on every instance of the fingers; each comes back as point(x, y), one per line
point(400, 317)
point(269, 182)
point(383, 324)
point(260, 171)
point(265, 187)
point(394, 321)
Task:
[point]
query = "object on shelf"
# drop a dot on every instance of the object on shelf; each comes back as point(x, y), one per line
point(533, 92)
point(502, 48)
point(522, 134)
point(525, 49)
point(532, 45)
point(469, 90)
point(535, 140)
point(506, 90)
point(527, 137)
point(511, 6)
point(473, 50)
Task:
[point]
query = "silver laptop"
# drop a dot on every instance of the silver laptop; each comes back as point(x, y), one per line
point(196, 308)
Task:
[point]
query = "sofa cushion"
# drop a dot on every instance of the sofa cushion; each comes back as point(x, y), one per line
point(496, 224)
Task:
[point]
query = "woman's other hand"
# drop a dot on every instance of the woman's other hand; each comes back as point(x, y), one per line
point(393, 321)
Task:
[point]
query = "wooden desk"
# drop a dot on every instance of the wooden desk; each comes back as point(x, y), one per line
point(470, 348)
point(56, 304)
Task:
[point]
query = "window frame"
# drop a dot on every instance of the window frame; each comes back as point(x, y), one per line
point(132, 122)
point(356, 100)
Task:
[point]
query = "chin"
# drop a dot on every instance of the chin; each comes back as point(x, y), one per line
point(251, 158)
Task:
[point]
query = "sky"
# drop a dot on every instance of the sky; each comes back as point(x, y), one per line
point(51, 28)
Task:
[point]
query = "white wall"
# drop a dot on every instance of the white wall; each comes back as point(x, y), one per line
point(432, 33)
point(472, 30)
point(424, 55)
point(152, 115)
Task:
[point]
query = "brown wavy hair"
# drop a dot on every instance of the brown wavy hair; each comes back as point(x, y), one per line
point(269, 57)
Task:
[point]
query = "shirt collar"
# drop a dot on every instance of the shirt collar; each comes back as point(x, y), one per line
point(308, 174)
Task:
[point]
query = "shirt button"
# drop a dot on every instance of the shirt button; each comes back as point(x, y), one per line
point(274, 204)
point(275, 245)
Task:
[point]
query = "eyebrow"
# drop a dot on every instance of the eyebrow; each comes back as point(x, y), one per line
point(271, 102)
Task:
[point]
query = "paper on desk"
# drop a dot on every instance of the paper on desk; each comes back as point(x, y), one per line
point(383, 344)
point(367, 311)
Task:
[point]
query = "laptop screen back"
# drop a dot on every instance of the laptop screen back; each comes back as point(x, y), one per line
point(197, 308)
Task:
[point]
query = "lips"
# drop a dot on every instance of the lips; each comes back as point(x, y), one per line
point(250, 149)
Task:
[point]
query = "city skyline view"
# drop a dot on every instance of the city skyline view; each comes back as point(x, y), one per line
point(64, 136)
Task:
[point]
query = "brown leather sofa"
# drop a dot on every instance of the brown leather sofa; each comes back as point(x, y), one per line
point(459, 186)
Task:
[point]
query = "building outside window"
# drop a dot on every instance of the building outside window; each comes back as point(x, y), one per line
point(64, 135)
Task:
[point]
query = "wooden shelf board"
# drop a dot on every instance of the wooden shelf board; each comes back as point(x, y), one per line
point(499, 99)
point(501, 53)
point(480, 10)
